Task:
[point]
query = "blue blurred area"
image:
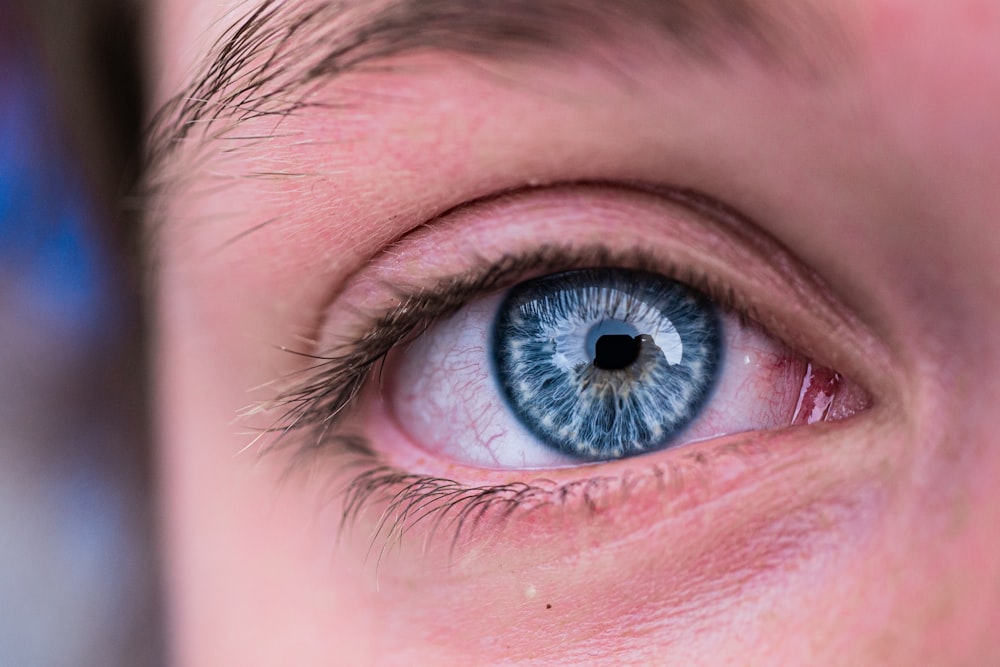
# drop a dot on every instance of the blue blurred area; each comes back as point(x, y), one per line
point(73, 564)
point(48, 252)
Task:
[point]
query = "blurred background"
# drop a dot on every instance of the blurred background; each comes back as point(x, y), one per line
point(78, 576)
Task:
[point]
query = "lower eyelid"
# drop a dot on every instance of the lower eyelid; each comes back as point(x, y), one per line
point(615, 576)
point(534, 518)
point(724, 457)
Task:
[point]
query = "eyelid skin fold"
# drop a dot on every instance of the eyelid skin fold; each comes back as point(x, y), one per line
point(683, 234)
point(332, 407)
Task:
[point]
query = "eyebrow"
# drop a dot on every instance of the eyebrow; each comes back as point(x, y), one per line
point(265, 63)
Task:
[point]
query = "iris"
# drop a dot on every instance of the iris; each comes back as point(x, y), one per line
point(606, 363)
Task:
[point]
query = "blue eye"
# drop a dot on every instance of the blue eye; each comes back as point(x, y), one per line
point(606, 363)
point(595, 365)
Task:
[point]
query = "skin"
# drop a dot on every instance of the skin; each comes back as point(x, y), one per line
point(867, 541)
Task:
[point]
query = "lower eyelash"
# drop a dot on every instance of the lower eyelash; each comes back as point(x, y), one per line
point(409, 500)
point(458, 513)
point(412, 500)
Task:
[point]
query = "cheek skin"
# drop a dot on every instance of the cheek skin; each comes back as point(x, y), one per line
point(742, 532)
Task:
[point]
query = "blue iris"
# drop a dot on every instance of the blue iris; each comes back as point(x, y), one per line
point(606, 363)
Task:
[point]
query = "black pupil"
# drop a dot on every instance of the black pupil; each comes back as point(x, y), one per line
point(615, 352)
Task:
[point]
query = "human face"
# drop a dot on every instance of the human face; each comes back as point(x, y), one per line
point(827, 171)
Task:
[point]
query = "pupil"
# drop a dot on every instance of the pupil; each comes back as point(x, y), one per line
point(615, 351)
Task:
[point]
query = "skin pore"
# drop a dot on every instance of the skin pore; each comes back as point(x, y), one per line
point(830, 172)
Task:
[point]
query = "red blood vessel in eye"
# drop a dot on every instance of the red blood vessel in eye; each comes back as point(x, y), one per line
point(827, 396)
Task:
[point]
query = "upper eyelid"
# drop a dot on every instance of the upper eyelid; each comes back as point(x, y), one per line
point(712, 212)
point(734, 239)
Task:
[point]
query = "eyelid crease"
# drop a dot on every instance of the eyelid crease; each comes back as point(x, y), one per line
point(711, 212)
point(735, 240)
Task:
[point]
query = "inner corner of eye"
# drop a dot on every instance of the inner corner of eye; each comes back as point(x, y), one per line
point(596, 365)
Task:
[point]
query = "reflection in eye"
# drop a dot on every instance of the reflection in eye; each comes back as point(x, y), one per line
point(596, 365)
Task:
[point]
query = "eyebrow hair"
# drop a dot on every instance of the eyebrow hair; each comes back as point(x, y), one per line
point(266, 61)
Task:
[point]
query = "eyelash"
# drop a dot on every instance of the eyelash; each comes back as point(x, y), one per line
point(318, 398)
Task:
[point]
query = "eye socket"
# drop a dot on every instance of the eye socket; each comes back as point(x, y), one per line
point(596, 365)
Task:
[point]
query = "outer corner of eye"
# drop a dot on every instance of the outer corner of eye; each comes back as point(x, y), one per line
point(597, 365)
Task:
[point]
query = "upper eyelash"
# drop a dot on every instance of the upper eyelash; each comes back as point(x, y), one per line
point(328, 388)
point(410, 499)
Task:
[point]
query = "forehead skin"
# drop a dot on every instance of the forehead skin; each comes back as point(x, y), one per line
point(879, 171)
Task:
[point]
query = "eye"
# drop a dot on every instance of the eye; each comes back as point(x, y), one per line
point(561, 328)
point(596, 365)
